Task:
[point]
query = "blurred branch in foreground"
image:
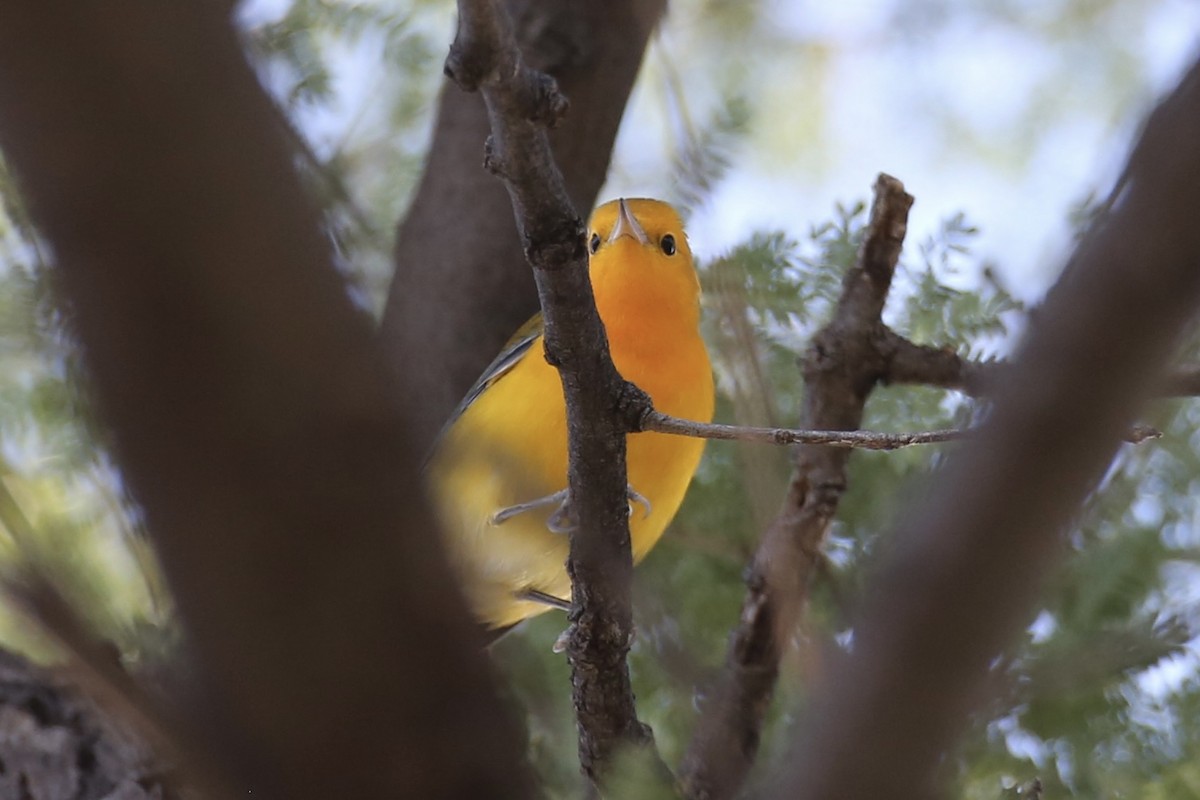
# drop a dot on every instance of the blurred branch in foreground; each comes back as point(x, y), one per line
point(251, 412)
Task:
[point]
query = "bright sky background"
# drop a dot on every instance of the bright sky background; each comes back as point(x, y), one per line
point(882, 102)
point(976, 112)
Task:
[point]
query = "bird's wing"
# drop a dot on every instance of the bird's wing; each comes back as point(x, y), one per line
point(512, 352)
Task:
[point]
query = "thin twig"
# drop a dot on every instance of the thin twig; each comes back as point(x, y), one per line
point(854, 440)
point(860, 440)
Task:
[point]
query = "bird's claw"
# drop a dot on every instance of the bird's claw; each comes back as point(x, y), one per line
point(636, 497)
point(562, 520)
point(505, 514)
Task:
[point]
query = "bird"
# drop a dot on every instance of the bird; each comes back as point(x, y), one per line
point(497, 475)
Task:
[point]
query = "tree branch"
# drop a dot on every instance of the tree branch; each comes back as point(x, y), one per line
point(857, 440)
point(941, 367)
point(852, 440)
point(841, 367)
point(520, 103)
point(1182, 382)
point(969, 563)
point(250, 409)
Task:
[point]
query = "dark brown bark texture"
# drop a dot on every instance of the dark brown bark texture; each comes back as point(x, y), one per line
point(462, 283)
point(967, 565)
point(55, 745)
point(251, 412)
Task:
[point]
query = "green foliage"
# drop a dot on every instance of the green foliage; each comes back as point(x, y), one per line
point(705, 155)
point(61, 508)
point(934, 310)
point(365, 157)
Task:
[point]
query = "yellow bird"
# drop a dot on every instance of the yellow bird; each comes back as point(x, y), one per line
point(498, 473)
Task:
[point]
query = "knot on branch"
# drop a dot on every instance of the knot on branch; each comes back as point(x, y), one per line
point(471, 60)
point(539, 99)
point(597, 638)
point(492, 161)
point(849, 359)
point(824, 496)
point(553, 246)
point(757, 616)
point(634, 407)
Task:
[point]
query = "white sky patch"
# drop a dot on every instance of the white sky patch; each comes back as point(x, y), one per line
point(261, 12)
point(986, 74)
point(1043, 627)
point(1170, 675)
point(829, 20)
point(884, 106)
point(1171, 39)
point(1020, 742)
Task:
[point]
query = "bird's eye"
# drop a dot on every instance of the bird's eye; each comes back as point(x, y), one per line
point(668, 244)
point(594, 244)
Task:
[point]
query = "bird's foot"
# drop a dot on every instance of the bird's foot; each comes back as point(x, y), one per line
point(562, 520)
point(634, 496)
point(505, 514)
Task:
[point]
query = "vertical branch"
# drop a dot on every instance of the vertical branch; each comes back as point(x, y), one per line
point(969, 563)
point(841, 367)
point(521, 103)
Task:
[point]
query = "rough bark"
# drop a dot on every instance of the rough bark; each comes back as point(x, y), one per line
point(462, 284)
point(54, 745)
point(968, 564)
point(841, 367)
point(250, 411)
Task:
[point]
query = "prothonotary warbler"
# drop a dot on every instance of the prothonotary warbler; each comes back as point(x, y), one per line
point(498, 473)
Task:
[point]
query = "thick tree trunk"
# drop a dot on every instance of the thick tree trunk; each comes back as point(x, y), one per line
point(251, 414)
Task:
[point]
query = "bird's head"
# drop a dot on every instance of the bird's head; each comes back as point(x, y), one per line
point(639, 253)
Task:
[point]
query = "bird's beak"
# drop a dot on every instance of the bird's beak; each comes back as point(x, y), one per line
point(627, 225)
